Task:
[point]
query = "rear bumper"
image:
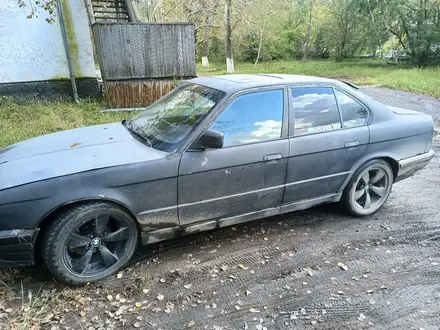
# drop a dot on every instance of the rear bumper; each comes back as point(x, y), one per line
point(17, 247)
point(409, 166)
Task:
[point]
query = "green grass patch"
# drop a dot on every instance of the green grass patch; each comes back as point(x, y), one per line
point(20, 122)
point(361, 72)
point(24, 121)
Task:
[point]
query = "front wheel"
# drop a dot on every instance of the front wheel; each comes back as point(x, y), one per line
point(89, 242)
point(368, 189)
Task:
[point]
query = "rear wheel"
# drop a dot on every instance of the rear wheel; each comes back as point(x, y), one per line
point(368, 189)
point(89, 242)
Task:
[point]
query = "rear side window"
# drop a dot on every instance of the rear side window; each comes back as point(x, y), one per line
point(353, 114)
point(253, 117)
point(315, 110)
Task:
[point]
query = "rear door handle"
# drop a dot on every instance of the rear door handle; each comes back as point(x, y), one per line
point(352, 144)
point(272, 157)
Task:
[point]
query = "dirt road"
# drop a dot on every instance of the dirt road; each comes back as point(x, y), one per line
point(429, 105)
point(316, 269)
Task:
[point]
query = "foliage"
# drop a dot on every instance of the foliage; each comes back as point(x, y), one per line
point(345, 33)
point(35, 6)
point(23, 121)
point(339, 29)
point(415, 23)
point(361, 72)
point(293, 29)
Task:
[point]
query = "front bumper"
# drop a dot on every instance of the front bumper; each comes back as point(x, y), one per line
point(17, 247)
point(409, 166)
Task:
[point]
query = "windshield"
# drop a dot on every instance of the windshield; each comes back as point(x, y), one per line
point(167, 123)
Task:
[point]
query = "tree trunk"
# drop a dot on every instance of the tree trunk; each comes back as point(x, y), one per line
point(309, 32)
point(393, 50)
point(260, 44)
point(228, 38)
point(205, 52)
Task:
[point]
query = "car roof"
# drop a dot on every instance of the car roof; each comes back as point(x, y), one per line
point(237, 82)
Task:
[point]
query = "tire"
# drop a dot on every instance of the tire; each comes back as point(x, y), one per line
point(368, 189)
point(89, 242)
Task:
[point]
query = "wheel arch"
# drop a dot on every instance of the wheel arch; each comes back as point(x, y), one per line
point(50, 216)
point(394, 164)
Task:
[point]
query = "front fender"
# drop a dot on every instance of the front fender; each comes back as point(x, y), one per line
point(28, 213)
point(104, 195)
point(138, 187)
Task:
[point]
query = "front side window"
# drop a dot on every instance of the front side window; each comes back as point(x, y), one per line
point(353, 114)
point(251, 118)
point(315, 110)
point(167, 123)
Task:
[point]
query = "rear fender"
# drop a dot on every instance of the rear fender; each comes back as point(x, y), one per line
point(365, 159)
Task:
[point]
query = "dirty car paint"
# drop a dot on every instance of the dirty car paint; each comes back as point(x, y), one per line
point(70, 152)
point(185, 191)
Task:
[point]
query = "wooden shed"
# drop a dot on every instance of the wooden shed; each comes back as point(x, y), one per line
point(141, 62)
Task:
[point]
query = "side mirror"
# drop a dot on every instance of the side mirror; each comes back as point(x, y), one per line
point(211, 139)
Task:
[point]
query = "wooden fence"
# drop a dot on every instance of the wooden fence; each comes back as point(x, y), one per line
point(141, 62)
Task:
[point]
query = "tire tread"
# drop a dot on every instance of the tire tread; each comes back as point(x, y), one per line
point(345, 199)
point(51, 238)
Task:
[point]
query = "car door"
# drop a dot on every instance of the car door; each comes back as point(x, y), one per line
point(328, 134)
point(248, 172)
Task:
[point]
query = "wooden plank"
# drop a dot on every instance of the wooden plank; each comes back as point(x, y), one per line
point(129, 94)
point(109, 1)
point(122, 6)
point(109, 12)
point(111, 17)
point(145, 50)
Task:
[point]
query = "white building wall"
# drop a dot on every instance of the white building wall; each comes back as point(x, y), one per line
point(33, 50)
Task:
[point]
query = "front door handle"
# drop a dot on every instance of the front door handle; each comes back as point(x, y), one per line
point(272, 157)
point(352, 144)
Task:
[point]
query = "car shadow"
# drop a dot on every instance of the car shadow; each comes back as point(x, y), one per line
point(308, 218)
point(318, 216)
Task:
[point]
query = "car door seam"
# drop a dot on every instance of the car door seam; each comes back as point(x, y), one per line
point(256, 162)
point(226, 167)
point(158, 210)
point(285, 173)
point(177, 189)
point(231, 196)
point(317, 178)
point(263, 189)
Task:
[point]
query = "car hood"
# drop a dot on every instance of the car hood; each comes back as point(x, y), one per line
point(70, 152)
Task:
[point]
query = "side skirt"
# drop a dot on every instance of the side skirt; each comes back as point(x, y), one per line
point(177, 231)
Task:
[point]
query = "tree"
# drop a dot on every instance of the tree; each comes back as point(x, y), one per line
point(201, 13)
point(260, 43)
point(152, 11)
point(228, 38)
point(347, 28)
point(261, 30)
point(260, 25)
point(210, 12)
point(37, 5)
point(416, 24)
point(309, 30)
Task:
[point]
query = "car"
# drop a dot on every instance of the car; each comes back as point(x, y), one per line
point(214, 152)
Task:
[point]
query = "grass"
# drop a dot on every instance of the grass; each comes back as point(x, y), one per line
point(362, 72)
point(20, 122)
point(34, 307)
